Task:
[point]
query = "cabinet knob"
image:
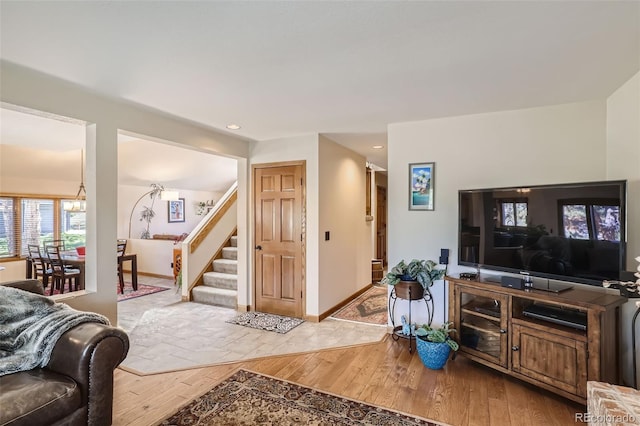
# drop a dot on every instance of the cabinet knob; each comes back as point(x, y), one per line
point(515, 348)
point(503, 331)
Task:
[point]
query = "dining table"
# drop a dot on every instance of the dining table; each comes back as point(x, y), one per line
point(73, 259)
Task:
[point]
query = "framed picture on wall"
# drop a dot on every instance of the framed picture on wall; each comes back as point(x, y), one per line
point(421, 186)
point(176, 210)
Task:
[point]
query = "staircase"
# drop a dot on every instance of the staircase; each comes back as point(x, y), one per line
point(220, 287)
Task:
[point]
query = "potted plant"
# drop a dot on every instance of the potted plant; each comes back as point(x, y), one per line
point(412, 279)
point(435, 344)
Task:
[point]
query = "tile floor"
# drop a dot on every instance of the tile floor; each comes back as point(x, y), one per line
point(167, 334)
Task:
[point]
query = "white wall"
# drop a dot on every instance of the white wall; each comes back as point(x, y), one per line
point(345, 260)
point(129, 194)
point(623, 162)
point(105, 116)
point(555, 144)
point(295, 149)
point(153, 257)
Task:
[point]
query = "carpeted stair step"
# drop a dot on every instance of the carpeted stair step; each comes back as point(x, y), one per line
point(228, 266)
point(221, 280)
point(234, 241)
point(215, 296)
point(230, 253)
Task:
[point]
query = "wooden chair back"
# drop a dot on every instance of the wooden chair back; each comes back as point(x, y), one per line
point(59, 271)
point(121, 247)
point(37, 263)
point(55, 259)
point(57, 243)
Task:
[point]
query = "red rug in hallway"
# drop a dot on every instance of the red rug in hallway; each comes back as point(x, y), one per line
point(370, 307)
point(129, 292)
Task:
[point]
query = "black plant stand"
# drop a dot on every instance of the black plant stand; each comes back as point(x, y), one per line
point(411, 291)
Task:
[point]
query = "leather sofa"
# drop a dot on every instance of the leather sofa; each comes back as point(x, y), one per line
point(76, 386)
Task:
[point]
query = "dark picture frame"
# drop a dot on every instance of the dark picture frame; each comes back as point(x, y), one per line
point(422, 186)
point(175, 210)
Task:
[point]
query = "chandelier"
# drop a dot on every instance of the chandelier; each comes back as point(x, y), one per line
point(79, 203)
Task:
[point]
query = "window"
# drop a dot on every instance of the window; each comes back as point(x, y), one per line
point(33, 220)
point(514, 213)
point(595, 220)
point(36, 222)
point(7, 227)
point(73, 227)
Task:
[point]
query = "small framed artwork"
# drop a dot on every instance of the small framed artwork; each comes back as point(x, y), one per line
point(176, 210)
point(421, 186)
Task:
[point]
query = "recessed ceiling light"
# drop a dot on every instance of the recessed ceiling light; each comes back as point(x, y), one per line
point(233, 127)
point(378, 146)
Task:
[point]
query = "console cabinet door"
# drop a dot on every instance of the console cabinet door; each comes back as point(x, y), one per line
point(555, 360)
point(481, 320)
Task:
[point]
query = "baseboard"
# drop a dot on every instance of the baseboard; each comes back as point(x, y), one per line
point(344, 303)
point(149, 274)
point(312, 318)
point(243, 308)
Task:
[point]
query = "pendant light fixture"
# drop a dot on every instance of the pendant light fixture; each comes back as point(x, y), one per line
point(79, 204)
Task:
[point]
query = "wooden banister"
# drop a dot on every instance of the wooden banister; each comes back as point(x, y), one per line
point(218, 214)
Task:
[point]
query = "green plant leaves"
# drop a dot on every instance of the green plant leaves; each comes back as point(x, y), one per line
point(423, 271)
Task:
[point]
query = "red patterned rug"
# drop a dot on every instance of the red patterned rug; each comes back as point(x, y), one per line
point(248, 398)
point(370, 307)
point(129, 292)
point(143, 290)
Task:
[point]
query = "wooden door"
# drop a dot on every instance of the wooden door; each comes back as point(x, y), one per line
point(556, 360)
point(278, 207)
point(381, 224)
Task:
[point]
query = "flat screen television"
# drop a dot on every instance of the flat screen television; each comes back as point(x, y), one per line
point(569, 232)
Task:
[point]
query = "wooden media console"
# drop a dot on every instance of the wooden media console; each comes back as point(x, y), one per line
point(494, 330)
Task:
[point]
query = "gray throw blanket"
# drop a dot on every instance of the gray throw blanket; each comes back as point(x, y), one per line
point(30, 326)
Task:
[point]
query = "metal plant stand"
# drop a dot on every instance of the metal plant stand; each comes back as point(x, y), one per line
point(411, 291)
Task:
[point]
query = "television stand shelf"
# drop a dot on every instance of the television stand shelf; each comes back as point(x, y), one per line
point(494, 329)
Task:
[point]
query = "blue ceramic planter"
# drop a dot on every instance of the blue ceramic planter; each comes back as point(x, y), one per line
point(433, 355)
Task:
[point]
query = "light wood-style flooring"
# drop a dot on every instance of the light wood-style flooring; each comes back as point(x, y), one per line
point(384, 374)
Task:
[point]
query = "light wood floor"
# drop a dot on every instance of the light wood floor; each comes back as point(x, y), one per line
point(385, 374)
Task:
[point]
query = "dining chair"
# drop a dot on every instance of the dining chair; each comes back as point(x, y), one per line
point(58, 243)
point(121, 249)
point(60, 272)
point(40, 267)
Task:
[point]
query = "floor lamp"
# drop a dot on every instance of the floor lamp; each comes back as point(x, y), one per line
point(156, 189)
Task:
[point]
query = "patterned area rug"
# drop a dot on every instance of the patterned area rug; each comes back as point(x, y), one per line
point(129, 293)
point(370, 307)
point(269, 322)
point(143, 290)
point(248, 398)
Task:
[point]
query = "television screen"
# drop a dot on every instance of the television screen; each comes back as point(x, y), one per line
point(570, 232)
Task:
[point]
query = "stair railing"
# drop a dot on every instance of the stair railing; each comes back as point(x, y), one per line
point(208, 237)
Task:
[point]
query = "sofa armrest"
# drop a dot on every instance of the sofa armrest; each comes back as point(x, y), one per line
point(89, 353)
point(30, 285)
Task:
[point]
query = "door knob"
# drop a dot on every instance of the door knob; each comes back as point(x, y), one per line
point(515, 348)
point(258, 247)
